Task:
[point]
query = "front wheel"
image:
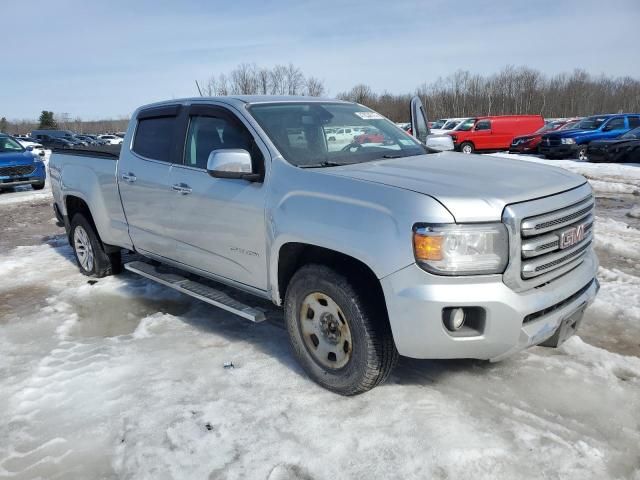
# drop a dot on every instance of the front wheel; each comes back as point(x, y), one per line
point(37, 186)
point(582, 154)
point(467, 147)
point(341, 341)
point(89, 250)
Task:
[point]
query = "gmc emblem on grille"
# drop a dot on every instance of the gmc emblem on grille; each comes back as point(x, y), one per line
point(571, 236)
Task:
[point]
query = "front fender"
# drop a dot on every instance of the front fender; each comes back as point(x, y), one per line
point(367, 221)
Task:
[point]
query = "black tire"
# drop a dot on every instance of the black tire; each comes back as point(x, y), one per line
point(103, 264)
point(372, 354)
point(467, 145)
point(37, 186)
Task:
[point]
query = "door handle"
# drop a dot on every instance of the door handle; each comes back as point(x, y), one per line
point(182, 188)
point(129, 177)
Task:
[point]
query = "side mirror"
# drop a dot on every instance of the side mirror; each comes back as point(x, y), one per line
point(439, 143)
point(29, 148)
point(607, 128)
point(231, 163)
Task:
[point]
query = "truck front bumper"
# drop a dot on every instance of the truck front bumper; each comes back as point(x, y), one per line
point(559, 151)
point(512, 321)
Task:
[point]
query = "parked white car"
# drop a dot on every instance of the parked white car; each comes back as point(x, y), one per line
point(111, 139)
point(448, 126)
point(36, 148)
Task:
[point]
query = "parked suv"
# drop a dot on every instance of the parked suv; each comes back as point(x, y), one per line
point(574, 143)
point(530, 143)
point(493, 133)
point(19, 166)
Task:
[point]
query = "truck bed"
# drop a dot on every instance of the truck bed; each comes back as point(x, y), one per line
point(89, 175)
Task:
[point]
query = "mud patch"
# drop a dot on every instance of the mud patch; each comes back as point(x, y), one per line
point(110, 315)
point(20, 301)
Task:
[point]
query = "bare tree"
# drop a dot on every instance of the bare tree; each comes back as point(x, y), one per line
point(315, 87)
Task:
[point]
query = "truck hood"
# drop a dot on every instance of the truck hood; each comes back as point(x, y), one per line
point(473, 188)
point(16, 159)
point(571, 133)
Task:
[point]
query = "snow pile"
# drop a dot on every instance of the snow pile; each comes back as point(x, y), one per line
point(124, 378)
point(617, 237)
point(604, 177)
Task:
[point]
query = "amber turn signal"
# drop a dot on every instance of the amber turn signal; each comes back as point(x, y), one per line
point(427, 247)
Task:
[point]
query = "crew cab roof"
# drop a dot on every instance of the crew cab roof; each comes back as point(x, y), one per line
point(239, 100)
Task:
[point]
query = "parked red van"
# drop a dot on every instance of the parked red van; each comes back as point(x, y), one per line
point(493, 133)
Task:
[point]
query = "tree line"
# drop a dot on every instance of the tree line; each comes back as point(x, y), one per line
point(513, 90)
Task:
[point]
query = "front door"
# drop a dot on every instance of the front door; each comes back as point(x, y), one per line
point(219, 223)
point(143, 179)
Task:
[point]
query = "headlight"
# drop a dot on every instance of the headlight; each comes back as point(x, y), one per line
point(471, 249)
point(568, 141)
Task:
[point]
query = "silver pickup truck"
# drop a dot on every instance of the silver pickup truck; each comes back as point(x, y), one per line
point(374, 245)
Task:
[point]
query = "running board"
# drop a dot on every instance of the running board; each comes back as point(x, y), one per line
point(197, 290)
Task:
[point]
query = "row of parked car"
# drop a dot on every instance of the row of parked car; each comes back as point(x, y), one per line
point(67, 139)
point(599, 138)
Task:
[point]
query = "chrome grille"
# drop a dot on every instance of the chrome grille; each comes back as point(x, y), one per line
point(541, 238)
point(539, 252)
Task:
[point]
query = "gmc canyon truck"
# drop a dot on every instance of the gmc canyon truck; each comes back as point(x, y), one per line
point(373, 250)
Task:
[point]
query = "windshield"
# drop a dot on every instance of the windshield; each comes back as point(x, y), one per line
point(451, 124)
point(327, 134)
point(8, 145)
point(466, 125)
point(438, 124)
point(633, 134)
point(591, 123)
point(570, 125)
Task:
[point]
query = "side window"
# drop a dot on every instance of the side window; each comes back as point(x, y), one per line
point(154, 137)
point(615, 124)
point(483, 125)
point(208, 133)
point(634, 122)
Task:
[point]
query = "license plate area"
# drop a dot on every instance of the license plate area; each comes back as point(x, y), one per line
point(568, 326)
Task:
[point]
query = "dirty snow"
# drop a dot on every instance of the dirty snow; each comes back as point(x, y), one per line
point(124, 378)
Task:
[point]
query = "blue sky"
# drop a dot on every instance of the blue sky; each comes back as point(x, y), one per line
point(103, 59)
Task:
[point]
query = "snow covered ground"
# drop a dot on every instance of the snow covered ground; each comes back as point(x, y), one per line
point(122, 378)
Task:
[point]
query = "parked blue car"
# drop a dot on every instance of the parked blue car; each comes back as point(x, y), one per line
point(19, 166)
point(574, 142)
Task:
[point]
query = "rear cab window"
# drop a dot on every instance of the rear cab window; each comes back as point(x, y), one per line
point(155, 133)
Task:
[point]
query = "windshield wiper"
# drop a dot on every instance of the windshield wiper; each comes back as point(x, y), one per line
point(391, 156)
point(326, 163)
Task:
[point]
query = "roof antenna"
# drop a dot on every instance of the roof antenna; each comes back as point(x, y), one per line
point(199, 91)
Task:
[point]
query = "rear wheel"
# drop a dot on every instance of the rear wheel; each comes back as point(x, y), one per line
point(90, 253)
point(37, 186)
point(341, 341)
point(466, 147)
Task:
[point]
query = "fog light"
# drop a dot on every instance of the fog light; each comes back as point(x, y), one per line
point(455, 319)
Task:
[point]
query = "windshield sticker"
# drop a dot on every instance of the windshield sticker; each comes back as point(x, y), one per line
point(369, 115)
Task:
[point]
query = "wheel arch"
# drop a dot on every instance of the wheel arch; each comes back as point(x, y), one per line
point(293, 255)
point(73, 205)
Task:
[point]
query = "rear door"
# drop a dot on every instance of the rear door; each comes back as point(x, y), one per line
point(219, 223)
point(143, 179)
